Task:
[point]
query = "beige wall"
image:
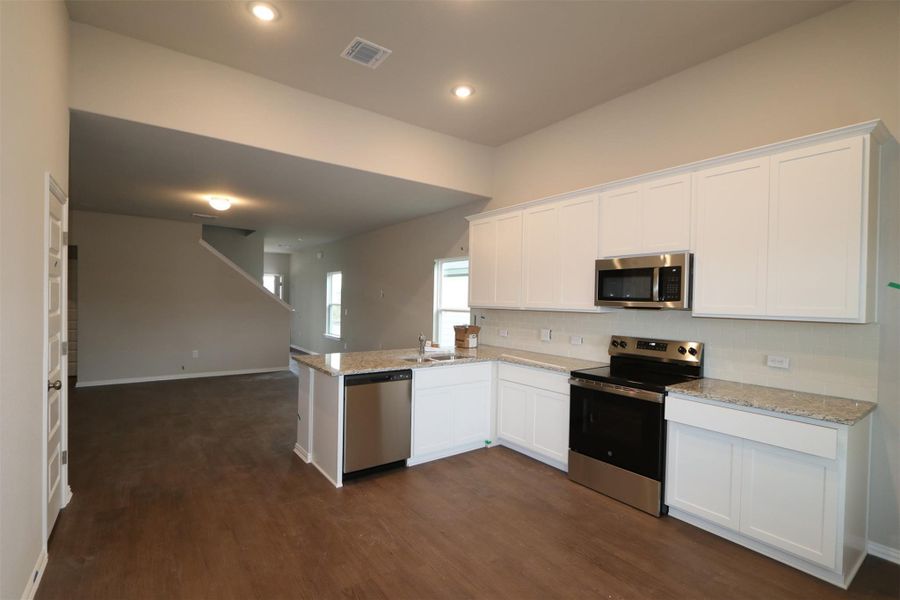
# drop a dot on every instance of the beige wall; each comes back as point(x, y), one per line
point(149, 294)
point(398, 260)
point(246, 251)
point(121, 77)
point(34, 131)
point(833, 70)
point(837, 69)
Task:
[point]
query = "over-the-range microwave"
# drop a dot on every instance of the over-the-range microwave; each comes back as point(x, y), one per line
point(648, 281)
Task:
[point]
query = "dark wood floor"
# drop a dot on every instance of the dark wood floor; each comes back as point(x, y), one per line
point(189, 490)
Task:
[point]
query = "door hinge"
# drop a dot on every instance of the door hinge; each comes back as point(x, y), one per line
point(65, 238)
point(65, 457)
point(65, 348)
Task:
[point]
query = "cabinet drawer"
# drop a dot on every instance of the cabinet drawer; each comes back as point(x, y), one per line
point(774, 431)
point(537, 378)
point(440, 376)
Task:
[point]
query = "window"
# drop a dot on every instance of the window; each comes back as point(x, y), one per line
point(451, 298)
point(333, 304)
point(273, 282)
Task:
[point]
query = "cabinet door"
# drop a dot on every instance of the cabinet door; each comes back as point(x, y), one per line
point(482, 262)
point(508, 274)
point(816, 218)
point(732, 204)
point(516, 413)
point(542, 258)
point(666, 215)
point(790, 500)
point(551, 424)
point(471, 413)
point(432, 421)
point(620, 221)
point(703, 474)
point(578, 226)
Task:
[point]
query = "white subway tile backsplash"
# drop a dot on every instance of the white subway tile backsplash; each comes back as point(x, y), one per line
point(826, 358)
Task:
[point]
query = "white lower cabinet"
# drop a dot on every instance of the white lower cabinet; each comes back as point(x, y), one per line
point(794, 490)
point(451, 410)
point(533, 413)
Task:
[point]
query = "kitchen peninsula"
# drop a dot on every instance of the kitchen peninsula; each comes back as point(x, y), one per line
point(454, 402)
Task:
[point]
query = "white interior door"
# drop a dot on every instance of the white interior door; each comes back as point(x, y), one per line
point(56, 399)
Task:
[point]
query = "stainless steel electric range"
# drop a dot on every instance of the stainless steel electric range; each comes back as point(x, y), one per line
point(617, 435)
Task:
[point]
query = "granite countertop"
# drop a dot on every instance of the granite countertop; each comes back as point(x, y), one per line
point(789, 402)
point(351, 363)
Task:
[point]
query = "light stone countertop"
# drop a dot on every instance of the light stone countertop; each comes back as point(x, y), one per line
point(352, 363)
point(801, 404)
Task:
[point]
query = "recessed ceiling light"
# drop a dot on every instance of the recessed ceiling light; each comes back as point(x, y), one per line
point(463, 91)
point(263, 11)
point(219, 202)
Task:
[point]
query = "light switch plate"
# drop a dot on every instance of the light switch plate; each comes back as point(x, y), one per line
point(503, 333)
point(778, 362)
point(545, 335)
point(576, 340)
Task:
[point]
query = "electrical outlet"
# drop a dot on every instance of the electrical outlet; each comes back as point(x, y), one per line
point(546, 335)
point(576, 340)
point(195, 354)
point(503, 333)
point(778, 362)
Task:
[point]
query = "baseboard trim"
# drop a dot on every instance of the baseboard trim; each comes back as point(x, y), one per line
point(302, 349)
point(327, 476)
point(66, 496)
point(99, 382)
point(303, 454)
point(882, 551)
point(36, 575)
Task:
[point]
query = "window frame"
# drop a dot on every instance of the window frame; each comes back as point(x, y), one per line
point(437, 310)
point(329, 304)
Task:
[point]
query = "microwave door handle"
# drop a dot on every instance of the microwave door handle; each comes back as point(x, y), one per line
point(656, 284)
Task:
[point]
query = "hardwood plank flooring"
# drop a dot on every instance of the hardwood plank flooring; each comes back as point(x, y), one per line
point(189, 489)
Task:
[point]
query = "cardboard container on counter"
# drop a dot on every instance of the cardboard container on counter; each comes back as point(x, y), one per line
point(466, 335)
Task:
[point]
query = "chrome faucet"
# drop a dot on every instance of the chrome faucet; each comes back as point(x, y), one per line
point(421, 344)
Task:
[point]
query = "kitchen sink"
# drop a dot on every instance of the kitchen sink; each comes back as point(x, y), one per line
point(432, 358)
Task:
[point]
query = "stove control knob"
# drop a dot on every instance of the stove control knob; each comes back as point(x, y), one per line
point(623, 344)
point(682, 350)
point(615, 344)
point(693, 351)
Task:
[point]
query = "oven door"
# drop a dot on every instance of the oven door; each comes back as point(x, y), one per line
point(618, 425)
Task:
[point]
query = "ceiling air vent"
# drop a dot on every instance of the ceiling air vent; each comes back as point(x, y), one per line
point(365, 53)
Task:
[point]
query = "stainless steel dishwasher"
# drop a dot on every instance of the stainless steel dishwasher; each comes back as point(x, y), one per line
point(377, 419)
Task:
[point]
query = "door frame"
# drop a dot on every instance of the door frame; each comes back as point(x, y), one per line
point(52, 188)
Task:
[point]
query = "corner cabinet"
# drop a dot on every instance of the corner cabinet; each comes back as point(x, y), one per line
point(533, 413)
point(793, 489)
point(790, 235)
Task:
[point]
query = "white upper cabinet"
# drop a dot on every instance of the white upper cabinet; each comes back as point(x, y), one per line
point(732, 206)
point(620, 222)
point(578, 251)
point(543, 256)
point(646, 218)
point(786, 236)
point(666, 215)
point(817, 220)
point(495, 261)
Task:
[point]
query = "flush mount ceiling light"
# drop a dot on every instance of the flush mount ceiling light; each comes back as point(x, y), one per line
point(263, 11)
point(462, 91)
point(219, 202)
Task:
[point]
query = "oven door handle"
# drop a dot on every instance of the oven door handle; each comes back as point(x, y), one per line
point(618, 390)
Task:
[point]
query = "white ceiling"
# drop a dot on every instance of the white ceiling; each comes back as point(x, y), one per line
point(532, 63)
point(131, 168)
